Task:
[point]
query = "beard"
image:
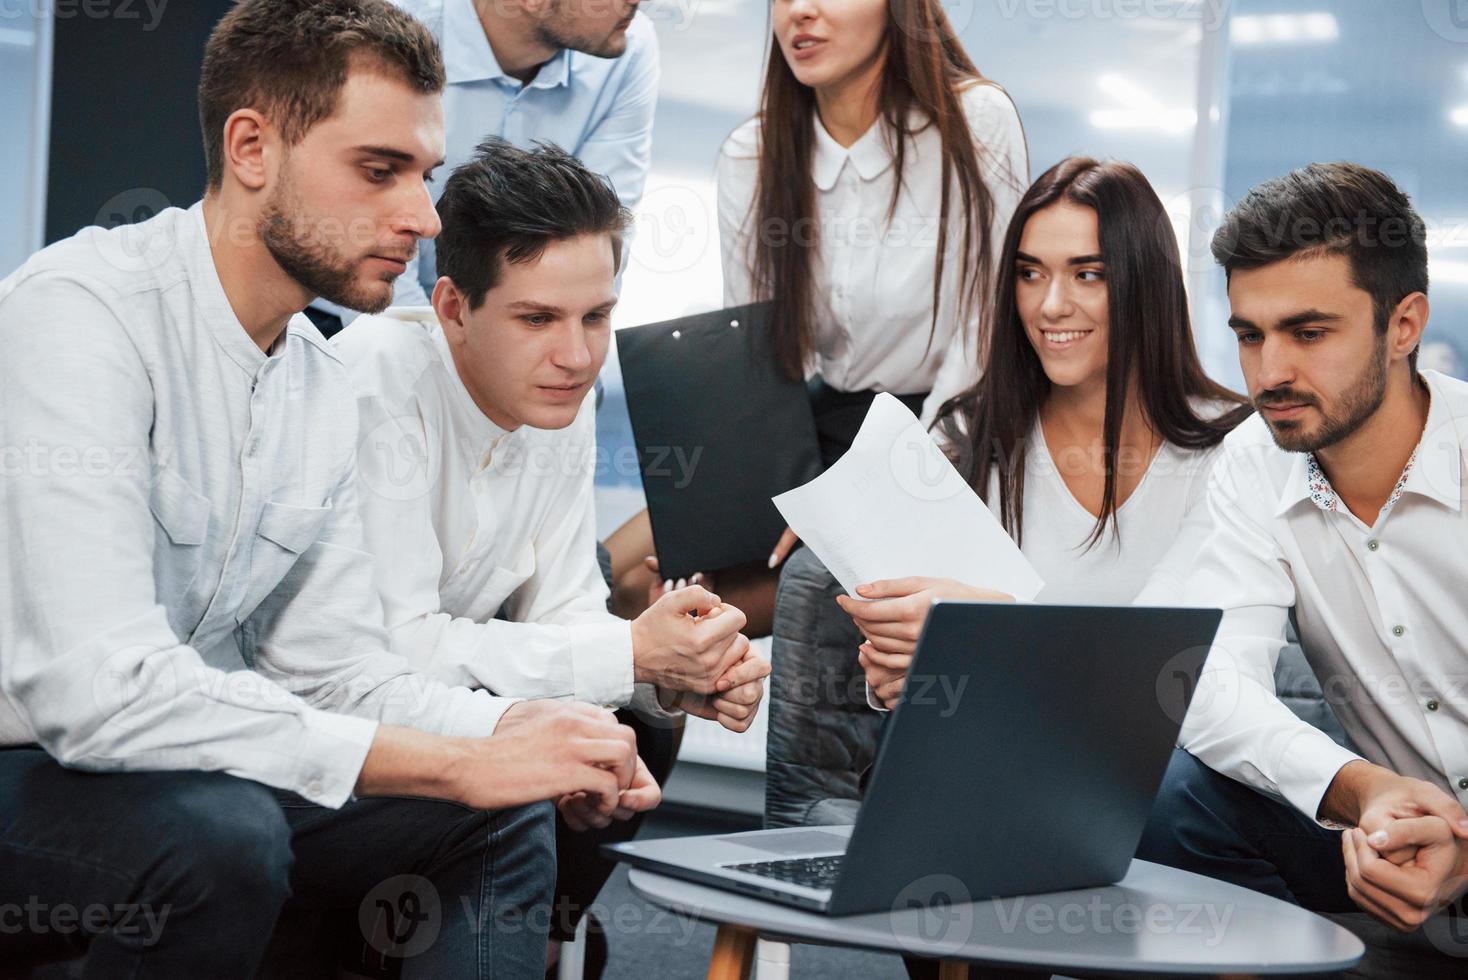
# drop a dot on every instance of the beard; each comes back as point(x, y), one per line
point(1355, 406)
point(560, 30)
point(316, 264)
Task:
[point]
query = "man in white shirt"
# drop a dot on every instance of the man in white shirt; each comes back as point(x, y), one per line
point(195, 686)
point(581, 76)
point(476, 471)
point(1342, 499)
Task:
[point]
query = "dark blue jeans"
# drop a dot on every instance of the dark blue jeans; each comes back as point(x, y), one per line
point(1215, 826)
point(185, 874)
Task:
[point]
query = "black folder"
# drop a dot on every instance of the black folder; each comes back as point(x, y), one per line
point(720, 430)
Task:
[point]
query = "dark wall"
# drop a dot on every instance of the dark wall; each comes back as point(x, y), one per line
point(124, 118)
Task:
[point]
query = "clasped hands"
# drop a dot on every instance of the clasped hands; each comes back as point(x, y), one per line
point(1407, 856)
point(688, 644)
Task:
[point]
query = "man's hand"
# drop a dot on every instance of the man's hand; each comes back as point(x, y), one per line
point(586, 810)
point(737, 699)
point(540, 750)
point(1405, 895)
point(1372, 797)
point(893, 620)
point(687, 640)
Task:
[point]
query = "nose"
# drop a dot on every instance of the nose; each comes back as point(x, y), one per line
point(417, 215)
point(802, 11)
point(1275, 365)
point(572, 353)
point(1057, 305)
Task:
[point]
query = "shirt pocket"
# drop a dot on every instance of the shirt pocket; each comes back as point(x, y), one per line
point(285, 532)
point(182, 513)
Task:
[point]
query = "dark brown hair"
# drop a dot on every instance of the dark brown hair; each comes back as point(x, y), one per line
point(1149, 343)
point(289, 59)
point(508, 204)
point(1333, 209)
point(926, 69)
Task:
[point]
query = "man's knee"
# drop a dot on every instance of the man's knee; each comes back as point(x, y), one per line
point(1187, 810)
point(225, 831)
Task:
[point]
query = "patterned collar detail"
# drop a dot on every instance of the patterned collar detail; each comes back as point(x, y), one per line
point(1324, 495)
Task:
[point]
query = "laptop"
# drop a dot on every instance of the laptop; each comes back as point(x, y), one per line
point(1023, 759)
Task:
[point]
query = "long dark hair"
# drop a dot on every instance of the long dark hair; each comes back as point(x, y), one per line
point(926, 69)
point(1149, 343)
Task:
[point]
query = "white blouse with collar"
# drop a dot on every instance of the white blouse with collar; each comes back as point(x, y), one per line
point(874, 276)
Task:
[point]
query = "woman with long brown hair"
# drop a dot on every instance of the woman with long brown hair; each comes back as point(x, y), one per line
point(1093, 428)
point(865, 199)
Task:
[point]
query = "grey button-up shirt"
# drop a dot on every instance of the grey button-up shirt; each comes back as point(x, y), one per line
point(183, 583)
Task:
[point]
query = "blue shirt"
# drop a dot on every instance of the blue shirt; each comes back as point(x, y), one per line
point(598, 109)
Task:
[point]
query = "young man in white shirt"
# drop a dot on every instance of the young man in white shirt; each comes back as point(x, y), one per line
point(476, 476)
point(196, 692)
point(1343, 500)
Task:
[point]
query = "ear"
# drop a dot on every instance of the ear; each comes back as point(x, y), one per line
point(248, 142)
point(451, 307)
point(1405, 326)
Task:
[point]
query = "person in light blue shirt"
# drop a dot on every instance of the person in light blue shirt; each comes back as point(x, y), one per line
point(581, 76)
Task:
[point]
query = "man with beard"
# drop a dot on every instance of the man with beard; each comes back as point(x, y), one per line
point(583, 76)
point(1342, 500)
point(199, 714)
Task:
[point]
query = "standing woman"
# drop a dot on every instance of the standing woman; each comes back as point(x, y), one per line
point(868, 199)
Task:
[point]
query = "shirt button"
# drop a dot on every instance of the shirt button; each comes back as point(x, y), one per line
point(1399, 631)
point(314, 787)
point(1432, 706)
point(1373, 545)
point(1463, 783)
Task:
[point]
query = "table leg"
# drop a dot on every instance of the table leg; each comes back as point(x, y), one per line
point(733, 953)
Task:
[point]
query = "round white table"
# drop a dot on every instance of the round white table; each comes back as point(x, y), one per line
point(1156, 920)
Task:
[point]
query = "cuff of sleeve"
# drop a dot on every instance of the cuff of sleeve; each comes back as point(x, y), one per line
point(479, 715)
point(1308, 769)
point(332, 750)
point(601, 662)
point(873, 703)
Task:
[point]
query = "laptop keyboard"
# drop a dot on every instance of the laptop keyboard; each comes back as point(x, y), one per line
point(811, 872)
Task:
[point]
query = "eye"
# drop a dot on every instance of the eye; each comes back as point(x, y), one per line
point(1309, 336)
point(597, 317)
point(1248, 338)
point(1027, 274)
point(377, 175)
point(1091, 275)
point(537, 319)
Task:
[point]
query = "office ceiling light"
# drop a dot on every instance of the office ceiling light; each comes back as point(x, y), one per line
point(1313, 28)
point(1459, 115)
point(1139, 110)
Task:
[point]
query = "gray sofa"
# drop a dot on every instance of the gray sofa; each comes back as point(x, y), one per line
point(822, 735)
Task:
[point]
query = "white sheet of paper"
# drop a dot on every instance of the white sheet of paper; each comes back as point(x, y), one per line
point(894, 506)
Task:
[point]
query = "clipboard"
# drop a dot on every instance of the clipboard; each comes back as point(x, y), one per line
point(719, 430)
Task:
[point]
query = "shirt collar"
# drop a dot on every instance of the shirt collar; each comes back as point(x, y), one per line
point(1435, 469)
point(870, 155)
point(468, 57)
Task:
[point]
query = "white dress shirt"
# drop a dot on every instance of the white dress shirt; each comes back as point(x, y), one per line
point(872, 280)
point(467, 520)
point(184, 585)
point(599, 110)
point(1380, 610)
